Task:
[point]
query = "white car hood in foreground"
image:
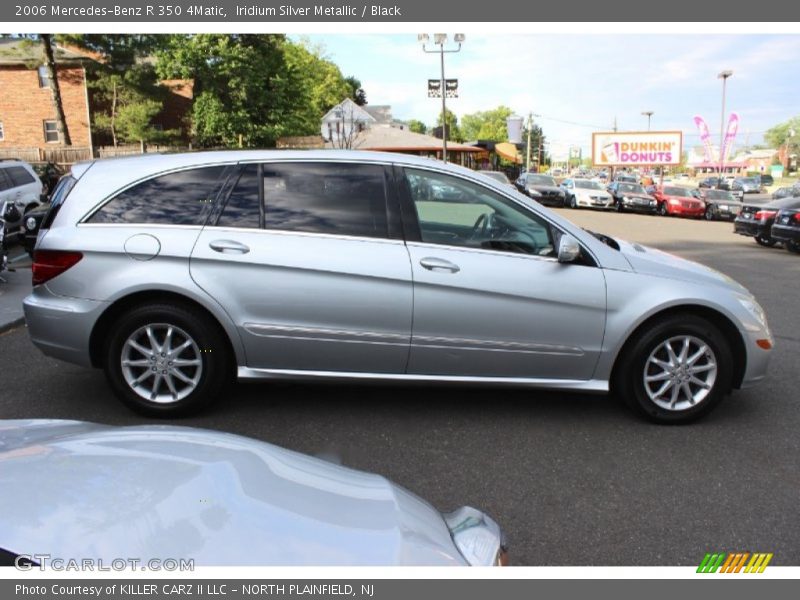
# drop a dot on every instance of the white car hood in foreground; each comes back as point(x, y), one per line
point(650, 261)
point(79, 490)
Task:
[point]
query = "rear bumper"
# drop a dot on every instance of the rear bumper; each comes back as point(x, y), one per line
point(60, 326)
point(750, 228)
point(782, 233)
point(680, 211)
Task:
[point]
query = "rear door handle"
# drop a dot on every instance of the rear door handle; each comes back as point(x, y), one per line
point(439, 265)
point(228, 247)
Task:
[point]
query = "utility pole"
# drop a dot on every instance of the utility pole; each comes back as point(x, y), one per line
point(530, 125)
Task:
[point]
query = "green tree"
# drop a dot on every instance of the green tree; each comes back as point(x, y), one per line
point(785, 133)
point(245, 93)
point(486, 125)
point(417, 126)
point(357, 93)
point(452, 128)
point(319, 85)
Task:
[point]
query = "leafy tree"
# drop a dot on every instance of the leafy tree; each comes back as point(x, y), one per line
point(417, 126)
point(118, 50)
point(320, 85)
point(357, 93)
point(487, 125)
point(55, 89)
point(785, 133)
point(452, 128)
point(245, 92)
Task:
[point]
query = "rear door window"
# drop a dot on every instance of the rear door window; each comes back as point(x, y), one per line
point(179, 198)
point(331, 198)
point(19, 176)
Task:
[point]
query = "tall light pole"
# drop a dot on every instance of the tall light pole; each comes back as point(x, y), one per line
point(724, 76)
point(440, 39)
point(648, 114)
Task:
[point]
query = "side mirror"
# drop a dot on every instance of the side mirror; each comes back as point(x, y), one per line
point(568, 248)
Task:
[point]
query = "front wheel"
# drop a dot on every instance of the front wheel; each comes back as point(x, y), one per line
point(793, 247)
point(573, 203)
point(166, 361)
point(676, 371)
point(662, 209)
point(765, 240)
point(709, 214)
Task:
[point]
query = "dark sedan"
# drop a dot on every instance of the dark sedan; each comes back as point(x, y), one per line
point(709, 183)
point(720, 204)
point(756, 220)
point(541, 188)
point(786, 228)
point(632, 196)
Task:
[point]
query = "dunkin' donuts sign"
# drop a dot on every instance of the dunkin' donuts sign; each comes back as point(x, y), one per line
point(638, 148)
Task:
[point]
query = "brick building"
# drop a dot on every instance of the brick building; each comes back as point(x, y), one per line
point(27, 115)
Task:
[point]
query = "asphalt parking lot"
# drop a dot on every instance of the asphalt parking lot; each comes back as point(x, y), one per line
point(572, 479)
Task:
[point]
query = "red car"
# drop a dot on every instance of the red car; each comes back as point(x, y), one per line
point(675, 200)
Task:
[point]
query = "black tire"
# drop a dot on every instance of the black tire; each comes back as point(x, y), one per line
point(662, 209)
point(710, 213)
point(633, 365)
point(793, 247)
point(765, 240)
point(620, 207)
point(573, 203)
point(210, 349)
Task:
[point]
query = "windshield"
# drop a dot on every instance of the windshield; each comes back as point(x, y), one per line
point(677, 191)
point(748, 180)
point(541, 180)
point(588, 185)
point(631, 188)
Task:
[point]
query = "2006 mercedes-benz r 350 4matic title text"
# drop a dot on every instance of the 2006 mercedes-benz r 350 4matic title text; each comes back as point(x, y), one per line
point(175, 273)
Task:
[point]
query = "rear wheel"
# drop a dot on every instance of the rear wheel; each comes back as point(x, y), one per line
point(662, 209)
point(573, 203)
point(710, 213)
point(166, 361)
point(793, 247)
point(676, 371)
point(765, 240)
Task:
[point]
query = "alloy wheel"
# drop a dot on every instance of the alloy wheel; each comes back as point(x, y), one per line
point(161, 363)
point(680, 373)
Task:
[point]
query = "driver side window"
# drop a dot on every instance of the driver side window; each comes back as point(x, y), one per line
point(457, 212)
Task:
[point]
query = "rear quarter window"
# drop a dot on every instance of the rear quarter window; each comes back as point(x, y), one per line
point(179, 198)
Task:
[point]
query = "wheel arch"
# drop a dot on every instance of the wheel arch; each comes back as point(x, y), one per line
point(728, 329)
point(104, 323)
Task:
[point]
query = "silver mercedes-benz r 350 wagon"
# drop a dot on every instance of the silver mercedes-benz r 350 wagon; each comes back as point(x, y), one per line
point(175, 273)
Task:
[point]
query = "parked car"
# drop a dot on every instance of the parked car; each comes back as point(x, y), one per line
point(719, 204)
point(766, 179)
point(102, 492)
point(542, 188)
point(19, 184)
point(632, 196)
point(785, 192)
point(756, 220)
point(176, 273)
point(747, 185)
point(32, 220)
point(626, 177)
point(678, 201)
point(709, 182)
point(497, 176)
point(786, 228)
point(586, 193)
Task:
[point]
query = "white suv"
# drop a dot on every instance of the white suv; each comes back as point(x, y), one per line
point(19, 184)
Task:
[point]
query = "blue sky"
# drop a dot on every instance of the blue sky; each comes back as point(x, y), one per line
point(580, 83)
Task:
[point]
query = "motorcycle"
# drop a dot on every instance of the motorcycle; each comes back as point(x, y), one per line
point(8, 213)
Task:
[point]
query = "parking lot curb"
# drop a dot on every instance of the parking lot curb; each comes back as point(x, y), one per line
point(8, 326)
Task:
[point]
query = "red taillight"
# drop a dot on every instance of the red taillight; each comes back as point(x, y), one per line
point(51, 263)
point(797, 217)
point(765, 214)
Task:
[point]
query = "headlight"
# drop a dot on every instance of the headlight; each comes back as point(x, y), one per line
point(477, 537)
point(30, 224)
point(534, 192)
point(754, 308)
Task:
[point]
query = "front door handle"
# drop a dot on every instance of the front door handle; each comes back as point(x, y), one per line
point(439, 265)
point(228, 247)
